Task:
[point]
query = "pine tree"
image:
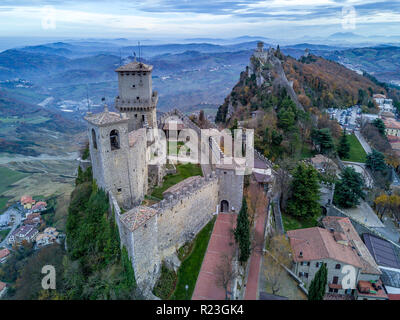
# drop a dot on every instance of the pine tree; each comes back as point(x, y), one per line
point(349, 189)
point(376, 161)
point(344, 146)
point(318, 284)
point(242, 232)
point(305, 192)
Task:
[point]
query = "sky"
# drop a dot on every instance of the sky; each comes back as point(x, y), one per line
point(163, 19)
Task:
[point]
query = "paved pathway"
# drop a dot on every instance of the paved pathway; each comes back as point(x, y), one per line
point(221, 242)
point(363, 142)
point(256, 259)
point(364, 214)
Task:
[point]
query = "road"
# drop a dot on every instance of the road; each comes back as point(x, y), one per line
point(360, 168)
point(17, 222)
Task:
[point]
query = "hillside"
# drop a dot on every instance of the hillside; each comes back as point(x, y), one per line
point(31, 130)
point(383, 61)
point(282, 99)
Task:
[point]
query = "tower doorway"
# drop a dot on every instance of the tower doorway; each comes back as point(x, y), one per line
point(224, 206)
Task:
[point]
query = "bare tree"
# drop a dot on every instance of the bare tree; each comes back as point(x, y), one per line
point(225, 273)
point(257, 201)
point(279, 254)
point(283, 179)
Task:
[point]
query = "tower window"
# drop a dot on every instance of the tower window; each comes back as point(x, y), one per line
point(94, 139)
point(133, 86)
point(114, 140)
point(137, 98)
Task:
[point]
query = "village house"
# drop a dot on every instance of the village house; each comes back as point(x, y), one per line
point(32, 218)
point(392, 127)
point(337, 245)
point(48, 236)
point(27, 202)
point(26, 232)
point(3, 289)
point(4, 253)
point(39, 206)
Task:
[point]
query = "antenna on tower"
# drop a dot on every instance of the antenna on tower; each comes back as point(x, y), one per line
point(139, 52)
point(87, 97)
point(120, 57)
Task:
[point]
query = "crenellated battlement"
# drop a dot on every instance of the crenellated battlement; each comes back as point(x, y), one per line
point(185, 192)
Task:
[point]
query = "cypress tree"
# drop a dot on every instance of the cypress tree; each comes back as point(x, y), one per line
point(344, 146)
point(318, 284)
point(242, 232)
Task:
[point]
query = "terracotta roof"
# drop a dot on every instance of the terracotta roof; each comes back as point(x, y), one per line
point(137, 216)
point(391, 124)
point(27, 199)
point(4, 253)
point(135, 66)
point(317, 243)
point(2, 285)
point(39, 204)
point(345, 228)
point(366, 289)
point(105, 117)
point(394, 296)
point(379, 96)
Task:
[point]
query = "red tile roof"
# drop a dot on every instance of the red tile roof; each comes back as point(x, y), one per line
point(372, 292)
point(27, 199)
point(317, 243)
point(4, 253)
point(2, 285)
point(394, 296)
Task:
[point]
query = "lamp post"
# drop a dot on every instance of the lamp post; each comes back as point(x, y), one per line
point(187, 288)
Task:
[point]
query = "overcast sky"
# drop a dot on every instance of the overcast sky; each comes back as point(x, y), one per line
point(188, 19)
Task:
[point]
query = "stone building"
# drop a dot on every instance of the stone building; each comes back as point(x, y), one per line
point(339, 246)
point(122, 147)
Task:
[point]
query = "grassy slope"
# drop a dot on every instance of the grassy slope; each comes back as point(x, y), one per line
point(190, 267)
point(357, 152)
point(183, 171)
point(7, 178)
point(292, 223)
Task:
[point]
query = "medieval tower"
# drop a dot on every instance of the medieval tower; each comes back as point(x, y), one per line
point(136, 96)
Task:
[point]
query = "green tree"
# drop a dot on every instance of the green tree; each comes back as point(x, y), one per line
point(344, 146)
point(349, 188)
point(242, 232)
point(318, 284)
point(375, 161)
point(380, 125)
point(322, 138)
point(305, 192)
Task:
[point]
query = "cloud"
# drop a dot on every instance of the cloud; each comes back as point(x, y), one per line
point(187, 17)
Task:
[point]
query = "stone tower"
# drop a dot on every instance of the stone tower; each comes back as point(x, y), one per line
point(109, 152)
point(231, 182)
point(136, 96)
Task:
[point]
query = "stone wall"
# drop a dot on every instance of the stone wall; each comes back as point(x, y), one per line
point(231, 188)
point(183, 215)
point(177, 221)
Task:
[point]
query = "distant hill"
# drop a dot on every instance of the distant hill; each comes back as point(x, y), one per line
point(382, 61)
point(31, 130)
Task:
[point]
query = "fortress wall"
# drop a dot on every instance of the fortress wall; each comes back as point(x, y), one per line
point(147, 263)
point(182, 216)
point(141, 245)
point(138, 171)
